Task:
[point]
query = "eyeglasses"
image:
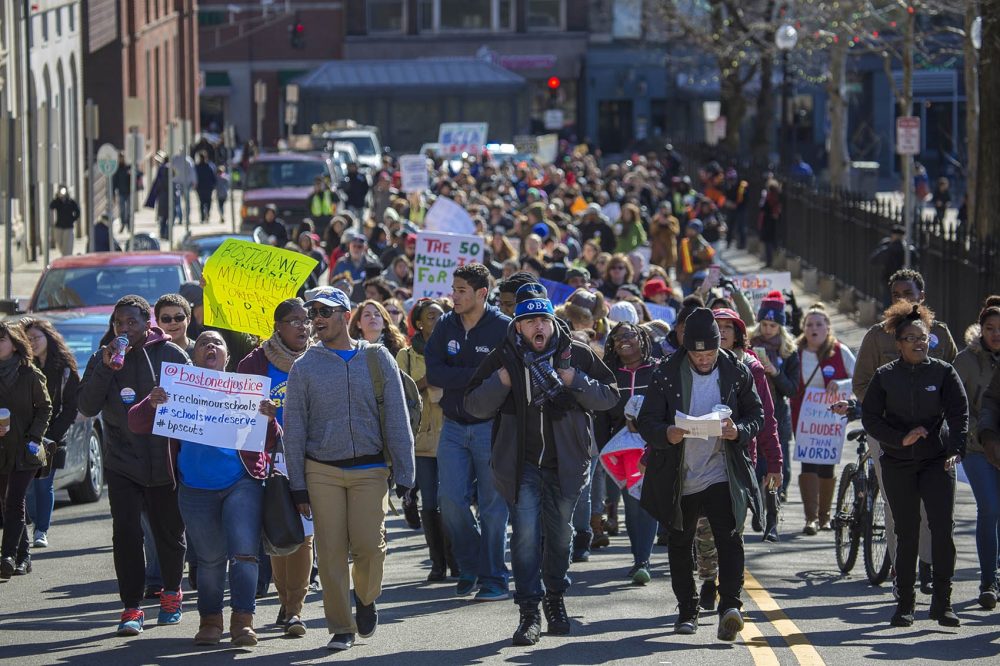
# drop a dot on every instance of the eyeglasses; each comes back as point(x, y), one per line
point(166, 319)
point(914, 339)
point(297, 323)
point(625, 335)
point(325, 313)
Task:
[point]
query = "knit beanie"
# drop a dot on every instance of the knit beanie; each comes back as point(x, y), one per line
point(623, 311)
point(701, 332)
point(532, 301)
point(772, 308)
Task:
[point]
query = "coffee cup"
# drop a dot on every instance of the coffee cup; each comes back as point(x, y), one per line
point(4, 417)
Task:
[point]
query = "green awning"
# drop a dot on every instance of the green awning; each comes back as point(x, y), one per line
point(217, 80)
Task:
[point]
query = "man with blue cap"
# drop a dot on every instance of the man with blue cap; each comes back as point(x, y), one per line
point(541, 387)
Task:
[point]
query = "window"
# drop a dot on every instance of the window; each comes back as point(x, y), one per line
point(386, 16)
point(466, 14)
point(544, 15)
point(58, 12)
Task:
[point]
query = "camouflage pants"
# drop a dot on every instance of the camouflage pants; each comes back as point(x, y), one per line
point(704, 547)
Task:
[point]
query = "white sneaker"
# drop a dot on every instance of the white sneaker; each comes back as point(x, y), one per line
point(41, 540)
point(730, 624)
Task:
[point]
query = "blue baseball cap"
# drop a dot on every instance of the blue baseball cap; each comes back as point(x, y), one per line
point(532, 301)
point(331, 296)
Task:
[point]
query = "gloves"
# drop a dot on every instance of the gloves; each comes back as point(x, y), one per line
point(402, 491)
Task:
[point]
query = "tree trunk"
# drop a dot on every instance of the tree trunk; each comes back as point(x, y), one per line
point(839, 157)
point(763, 126)
point(971, 113)
point(734, 109)
point(988, 176)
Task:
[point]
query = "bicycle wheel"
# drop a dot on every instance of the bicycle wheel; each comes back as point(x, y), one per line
point(877, 562)
point(845, 533)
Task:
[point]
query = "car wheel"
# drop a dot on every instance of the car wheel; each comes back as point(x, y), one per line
point(92, 487)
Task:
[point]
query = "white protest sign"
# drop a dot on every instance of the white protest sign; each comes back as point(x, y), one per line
point(819, 433)
point(413, 173)
point(548, 148)
point(612, 211)
point(219, 409)
point(448, 217)
point(458, 138)
point(757, 285)
point(437, 257)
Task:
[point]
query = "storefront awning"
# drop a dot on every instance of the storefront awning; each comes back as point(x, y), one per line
point(365, 77)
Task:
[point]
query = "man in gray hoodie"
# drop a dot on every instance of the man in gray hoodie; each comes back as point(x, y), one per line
point(339, 460)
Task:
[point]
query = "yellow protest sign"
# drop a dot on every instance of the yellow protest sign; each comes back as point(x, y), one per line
point(579, 204)
point(245, 281)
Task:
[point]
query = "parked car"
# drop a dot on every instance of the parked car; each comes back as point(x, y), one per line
point(205, 244)
point(285, 180)
point(96, 281)
point(364, 137)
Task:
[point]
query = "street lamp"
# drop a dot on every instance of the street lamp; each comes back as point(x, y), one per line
point(785, 38)
point(976, 34)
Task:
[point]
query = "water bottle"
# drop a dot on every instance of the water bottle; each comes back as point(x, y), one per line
point(118, 358)
point(33, 448)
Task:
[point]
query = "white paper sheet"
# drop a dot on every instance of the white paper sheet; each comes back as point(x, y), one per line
point(700, 427)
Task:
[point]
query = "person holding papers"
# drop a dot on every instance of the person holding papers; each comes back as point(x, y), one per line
point(687, 477)
point(221, 497)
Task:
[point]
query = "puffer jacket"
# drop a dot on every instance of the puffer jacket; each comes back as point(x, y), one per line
point(976, 367)
point(30, 409)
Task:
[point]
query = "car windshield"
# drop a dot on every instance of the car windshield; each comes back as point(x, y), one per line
point(293, 173)
point(363, 144)
point(81, 340)
point(65, 288)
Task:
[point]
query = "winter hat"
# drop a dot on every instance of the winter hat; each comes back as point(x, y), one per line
point(701, 332)
point(696, 225)
point(655, 286)
point(532, 301)
point(623, 311)
point(541, 229)
point(726, 313)
point(772, 308)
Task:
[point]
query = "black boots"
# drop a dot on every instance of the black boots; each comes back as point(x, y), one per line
point(772, 504)
point(555, 614)
point(411, 512)
point(926, 575)
point(434, 535)
point(706, 600)
point(903, 617)
point(941, 605)
point(529, 628)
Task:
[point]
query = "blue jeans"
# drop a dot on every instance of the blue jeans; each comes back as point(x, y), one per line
point(540, 545)
point(641, 529)
point(584, 505)
point(985, 481)
point(41, 500)
point(226, 526)
point(464, 474)
point(153, 576)
point(427, 481)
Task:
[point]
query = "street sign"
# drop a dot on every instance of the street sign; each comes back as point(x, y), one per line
point(260, 92)
point(554, 119)
point(107, 159)
point(291, 113)
point(292, 93)
point(908, 135)
point(135, 112)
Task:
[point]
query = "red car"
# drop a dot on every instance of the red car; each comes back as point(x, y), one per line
point(95, 282)
point(285, 180)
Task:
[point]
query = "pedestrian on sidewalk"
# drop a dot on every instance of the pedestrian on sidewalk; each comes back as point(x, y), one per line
point(220, 493)
point(133, 462)
point(66, 212)
point(687, 477)
point(907, 406)
point(340, 461)
point(23, 397)
point(121, 183)
point(222, 187)
point(205, 185)
point(541, 387)
point(461, 341)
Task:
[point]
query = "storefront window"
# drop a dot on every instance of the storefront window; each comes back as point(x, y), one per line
point(544, 15)
point(385, 16)
point(466, 14)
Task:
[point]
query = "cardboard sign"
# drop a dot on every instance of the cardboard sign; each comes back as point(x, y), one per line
point(437, 257)
point(820, 434)
point(219, 409)
point(757, 285)
point(458, 138)
point(413, 173)
point(448, 217)
point(245, 281)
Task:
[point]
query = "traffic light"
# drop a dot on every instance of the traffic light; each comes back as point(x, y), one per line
point(554, 84)
point(297, 35)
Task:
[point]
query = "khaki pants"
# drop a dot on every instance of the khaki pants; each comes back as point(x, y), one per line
point(64, 240)
point(291, 577)
point(349, 517)
point(890, 524)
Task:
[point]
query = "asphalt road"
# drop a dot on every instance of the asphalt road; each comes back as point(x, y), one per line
point(799, 610)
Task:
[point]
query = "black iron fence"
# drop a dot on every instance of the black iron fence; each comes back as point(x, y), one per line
point(836, 231)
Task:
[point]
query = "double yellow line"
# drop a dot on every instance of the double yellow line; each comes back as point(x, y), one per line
point(762, 653)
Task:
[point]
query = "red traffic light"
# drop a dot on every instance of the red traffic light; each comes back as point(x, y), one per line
point(554, 83)
point(299, 28)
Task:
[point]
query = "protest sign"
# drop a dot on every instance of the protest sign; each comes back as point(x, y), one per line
point(612, 210)
point(662, 312)
point(245, 281)
point(219, 409)
point(757, 285)
point(437, 257)
point(557, 291)
point(820, 434)
point(548, 148)
point(458, 138)
point(413, 173)
point(523, 143)
point(448, 217)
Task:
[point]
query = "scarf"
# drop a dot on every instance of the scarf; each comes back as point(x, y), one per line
point(771, 345)
point(545, 383)
point(9, 369)
point(279, 354)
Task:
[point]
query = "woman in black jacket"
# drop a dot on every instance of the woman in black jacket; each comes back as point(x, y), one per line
point(917, 408)
point(56, 361)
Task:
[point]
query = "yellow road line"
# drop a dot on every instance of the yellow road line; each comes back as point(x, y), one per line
point(800, 646)
point(761, 652)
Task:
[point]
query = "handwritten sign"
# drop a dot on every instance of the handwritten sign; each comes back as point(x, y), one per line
point(245, 281)
point(458, 138)
point(219, 409)
point(413, 173)
point(448, 217)
point(820, 434)
point(437, 257)
point(757, 285)
point(548, 148)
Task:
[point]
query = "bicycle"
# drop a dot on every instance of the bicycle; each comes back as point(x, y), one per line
point(861, 516)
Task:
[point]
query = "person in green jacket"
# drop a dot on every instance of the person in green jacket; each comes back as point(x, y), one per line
point(632, 234)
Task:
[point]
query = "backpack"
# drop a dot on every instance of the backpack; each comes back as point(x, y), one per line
point(411, 396)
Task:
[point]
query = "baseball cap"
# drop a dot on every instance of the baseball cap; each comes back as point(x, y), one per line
point(331, 296)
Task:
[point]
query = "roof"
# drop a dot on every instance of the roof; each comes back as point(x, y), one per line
point(123, 259)
point(345, 77)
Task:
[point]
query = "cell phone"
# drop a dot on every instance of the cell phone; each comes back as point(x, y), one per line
point(762, 355)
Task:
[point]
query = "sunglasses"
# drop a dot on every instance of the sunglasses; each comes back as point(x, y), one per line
point(297, 323)
point(165, 319)
point(325, 313)
point(625, 335)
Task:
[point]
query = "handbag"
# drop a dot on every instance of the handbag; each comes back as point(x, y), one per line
point(50, 464)
point(282, 525)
